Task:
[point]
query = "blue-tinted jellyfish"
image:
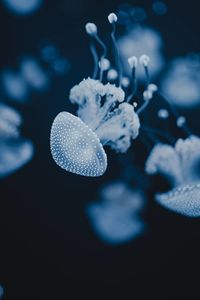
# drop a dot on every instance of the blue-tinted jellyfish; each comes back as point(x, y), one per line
point(159, 8)
point(141, 40)
point(181, 83)
point(14, 85)
point(180, 165)
point(15, 151)
point(51, 55)
point(116, 216)
point(33, 74)
point(1, 292)
point(23, 7)
point(106, 117)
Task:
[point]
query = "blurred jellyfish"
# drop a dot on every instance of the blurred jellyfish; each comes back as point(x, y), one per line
point(1, 292)
point(159, 8)
point(50, 54)
point(180, 165)
point(141, 40)
point(23, 7)
point(181, 83)
point(14, 86)
point(105, 116)
point(116, 217)
point(129, 14)
point(15, 151)
point(33, 74)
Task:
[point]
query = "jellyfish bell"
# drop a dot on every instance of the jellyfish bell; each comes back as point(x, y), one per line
point(116, 217)
point(184, 199)
point(22, 7)
point(14, 154)
point(75, 147)
point(178, 164)
point(112, 226)
point(15, 151)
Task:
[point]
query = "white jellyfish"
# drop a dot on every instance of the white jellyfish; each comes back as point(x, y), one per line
point(23, 7)
point(15, 151)
point(141, 40)
point(116, 217)
point(105, 118)
point(180, 165)
point(181, 83)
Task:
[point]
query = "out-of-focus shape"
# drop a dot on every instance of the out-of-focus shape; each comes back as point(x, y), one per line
point(116, 216)
point(14, 86)
point(15, 151)
point(140, 40)
point(33, 74)
point(23, 7)
point(159, 8)
point(181, 83)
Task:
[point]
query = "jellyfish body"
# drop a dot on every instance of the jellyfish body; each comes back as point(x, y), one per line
point(180, 165)
point(116, 217)
point(140, 40)
point(14, 85)
point(181, 83)
point(103, 119)
point(23, 7)
point(33, 74)
point(15, 151)
point(75, 147)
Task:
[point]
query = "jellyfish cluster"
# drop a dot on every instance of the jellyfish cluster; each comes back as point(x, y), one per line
point(116, 216)
point(33, 74)
point(106, 114)
point(15, 150)
point(109, 107)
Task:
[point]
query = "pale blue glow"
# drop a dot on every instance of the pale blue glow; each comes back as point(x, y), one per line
point(15, 151)
point(159, 8)
point(180, 165)
point(138, 41)
point(181, 83)
point(1, 292)
point(14, 85)
point(116, 216)
point(33, 74)
point(23, 7)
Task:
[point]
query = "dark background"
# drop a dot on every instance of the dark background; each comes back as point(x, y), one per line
point(48, 249)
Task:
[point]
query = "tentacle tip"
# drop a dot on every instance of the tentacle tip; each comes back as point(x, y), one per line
point(112, 18)
point(91, 28)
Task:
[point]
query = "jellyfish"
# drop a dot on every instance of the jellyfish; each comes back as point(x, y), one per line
point(1, 292)
point(139, 40)
point(23, 7)
point(15, 150)
point(105, 114)
point(33, 74)
point(181, 82)
point(179, 164)
point(116, 217)
point(14, 85)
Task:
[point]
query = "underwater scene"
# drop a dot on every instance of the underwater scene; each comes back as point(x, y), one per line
point(99, 149)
